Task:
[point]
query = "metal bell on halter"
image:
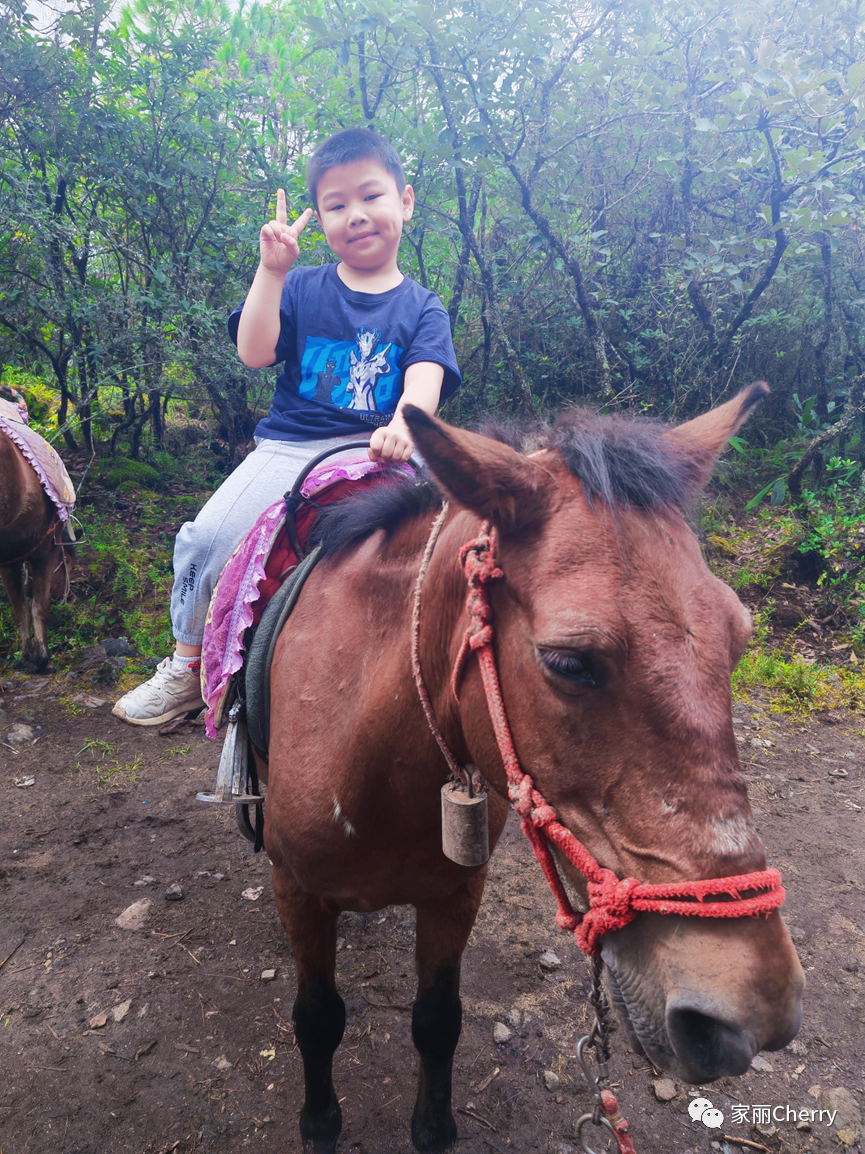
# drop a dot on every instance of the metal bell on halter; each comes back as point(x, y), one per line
point(465, 823)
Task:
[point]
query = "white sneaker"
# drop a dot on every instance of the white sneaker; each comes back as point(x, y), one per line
point(167, 694)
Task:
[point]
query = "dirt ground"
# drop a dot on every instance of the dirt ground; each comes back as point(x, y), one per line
point(173, 1038)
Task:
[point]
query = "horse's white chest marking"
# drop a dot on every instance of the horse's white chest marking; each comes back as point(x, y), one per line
point(340, 819)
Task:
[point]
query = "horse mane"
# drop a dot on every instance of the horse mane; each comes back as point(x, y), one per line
point(346, 523)
point(621, 461)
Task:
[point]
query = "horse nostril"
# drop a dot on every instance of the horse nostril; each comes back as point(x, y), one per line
point(706, 1047)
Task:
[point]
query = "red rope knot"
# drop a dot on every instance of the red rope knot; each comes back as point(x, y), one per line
point(479, 638)
point(617, 1121)
point(611, 907)
point(524, 803)
point(478, 558)
point(478, 561)
point(543, 815)
point(567, 921)
point(613, 897)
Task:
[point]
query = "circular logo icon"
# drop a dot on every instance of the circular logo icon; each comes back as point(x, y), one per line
point(712, 1118)
point(698, 1107)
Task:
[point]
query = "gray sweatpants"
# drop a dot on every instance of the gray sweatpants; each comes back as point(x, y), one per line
point(204, 545)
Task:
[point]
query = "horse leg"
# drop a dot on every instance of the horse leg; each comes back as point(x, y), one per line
point(319, 1011)
point(442, 933)
point(13, 577)
point(41, 598)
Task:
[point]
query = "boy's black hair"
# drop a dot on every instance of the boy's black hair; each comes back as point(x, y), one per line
point(349, 145)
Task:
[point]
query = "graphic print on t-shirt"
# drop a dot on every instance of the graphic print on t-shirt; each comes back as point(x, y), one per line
point(360, 375)
point(366, 369)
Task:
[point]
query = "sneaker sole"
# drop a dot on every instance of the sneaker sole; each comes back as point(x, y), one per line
point(161, 720)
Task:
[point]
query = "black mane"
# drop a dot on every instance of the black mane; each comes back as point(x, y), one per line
point(384, 506)
point(620, 461)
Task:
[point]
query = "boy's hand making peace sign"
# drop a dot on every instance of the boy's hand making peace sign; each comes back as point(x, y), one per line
point(278, 240)
point(258, 327)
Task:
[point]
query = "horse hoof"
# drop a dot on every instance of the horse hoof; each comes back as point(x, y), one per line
point(434, 1137)
point(320, 1145)
point(319, 1134)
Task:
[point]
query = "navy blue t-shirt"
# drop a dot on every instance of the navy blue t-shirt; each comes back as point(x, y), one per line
point(345, 353)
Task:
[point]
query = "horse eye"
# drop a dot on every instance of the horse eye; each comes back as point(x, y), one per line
point(578, 667)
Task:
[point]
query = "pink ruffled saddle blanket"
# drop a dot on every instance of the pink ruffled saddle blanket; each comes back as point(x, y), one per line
point(258, 566)
point(44, 461)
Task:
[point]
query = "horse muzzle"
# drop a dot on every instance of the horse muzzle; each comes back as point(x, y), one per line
point(699, 1012)
point(707, 1047)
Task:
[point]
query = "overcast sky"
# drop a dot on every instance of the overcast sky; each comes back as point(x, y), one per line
point(47, 12)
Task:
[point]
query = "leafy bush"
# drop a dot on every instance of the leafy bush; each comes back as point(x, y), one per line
point(833, 524)
point(42, 400)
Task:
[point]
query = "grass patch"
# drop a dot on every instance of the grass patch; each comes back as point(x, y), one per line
point(101, 769)
point(73, 708)
point(797, 685)
point(176, 751)
point(122, 584)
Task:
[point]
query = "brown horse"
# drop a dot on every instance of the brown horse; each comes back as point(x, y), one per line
point(614, 646)
point(30, 552)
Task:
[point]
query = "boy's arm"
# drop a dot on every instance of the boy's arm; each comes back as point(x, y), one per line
point(258, 328)
point(422, 387)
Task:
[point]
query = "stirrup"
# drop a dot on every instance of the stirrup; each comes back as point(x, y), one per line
point(232, 778)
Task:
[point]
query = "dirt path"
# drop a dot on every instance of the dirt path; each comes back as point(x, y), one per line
point(196, 1053)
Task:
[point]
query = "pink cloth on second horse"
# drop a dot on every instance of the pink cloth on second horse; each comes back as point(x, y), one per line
point(43, 460)
point(232, 606)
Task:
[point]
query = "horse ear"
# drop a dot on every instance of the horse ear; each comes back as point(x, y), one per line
point(708, 434)
point(491, 479)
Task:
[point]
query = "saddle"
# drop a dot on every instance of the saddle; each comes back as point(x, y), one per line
point(42, 458)
point(255, 594)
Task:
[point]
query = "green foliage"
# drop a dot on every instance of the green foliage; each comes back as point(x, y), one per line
point(797, 685)
point(128, 476)
point(40, 397)
point(639, 205)
point(127, 588)
point(121, 586)
point(826, 527)
point(834, 528)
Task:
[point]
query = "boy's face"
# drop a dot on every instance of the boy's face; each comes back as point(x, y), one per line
point(362, 214)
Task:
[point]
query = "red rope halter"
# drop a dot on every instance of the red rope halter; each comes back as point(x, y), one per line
point(613, 901)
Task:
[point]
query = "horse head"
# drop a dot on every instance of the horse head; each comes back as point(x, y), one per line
point(615, 645)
